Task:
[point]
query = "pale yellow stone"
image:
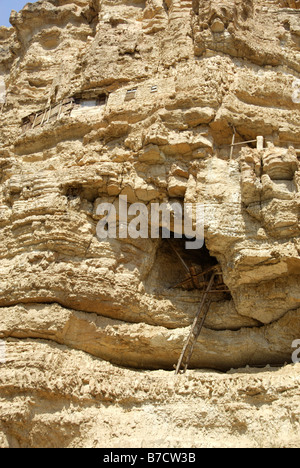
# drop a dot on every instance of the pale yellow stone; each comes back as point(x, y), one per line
point(93, 327)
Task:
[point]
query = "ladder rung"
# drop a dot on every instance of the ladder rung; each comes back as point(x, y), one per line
point(195, 330)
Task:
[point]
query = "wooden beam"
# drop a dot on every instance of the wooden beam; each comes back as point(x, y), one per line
point(195, 331)
point(232, 143)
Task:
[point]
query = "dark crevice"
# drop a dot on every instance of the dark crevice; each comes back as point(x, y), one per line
point(195, 268)
point(166, 8)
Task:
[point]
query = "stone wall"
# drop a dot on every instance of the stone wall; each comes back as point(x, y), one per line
point(202, 71)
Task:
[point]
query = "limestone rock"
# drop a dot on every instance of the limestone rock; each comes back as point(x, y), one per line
point(144, 99)
point(280, 164)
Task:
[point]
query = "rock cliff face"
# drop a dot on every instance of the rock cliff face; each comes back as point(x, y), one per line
point(143, 99)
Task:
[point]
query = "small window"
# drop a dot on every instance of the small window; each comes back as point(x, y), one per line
point(154, 89)
point(130, 94)
point(91, 102)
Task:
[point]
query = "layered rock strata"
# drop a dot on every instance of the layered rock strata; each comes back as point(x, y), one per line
point(143, 99)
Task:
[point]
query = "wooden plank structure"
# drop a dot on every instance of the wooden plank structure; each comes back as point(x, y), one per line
point(259, 143)
point(213, 285)
point(54, 112)
point(49, 114)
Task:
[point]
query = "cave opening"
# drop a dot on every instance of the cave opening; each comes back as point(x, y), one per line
point(195, 270)
point(207, 308)
point(191, 269)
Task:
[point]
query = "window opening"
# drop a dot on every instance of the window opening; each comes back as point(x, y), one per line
point(130, 94)
point(91, 101)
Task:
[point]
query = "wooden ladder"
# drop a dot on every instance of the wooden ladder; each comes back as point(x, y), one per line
point(198, 323)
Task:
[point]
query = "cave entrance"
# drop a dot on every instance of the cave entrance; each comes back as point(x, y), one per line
point(197, 266)
point(202, 272)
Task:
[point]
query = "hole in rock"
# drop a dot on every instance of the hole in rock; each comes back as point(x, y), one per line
point(180, 268)
point(91, 100)
point(182, 276)
point(72, 193)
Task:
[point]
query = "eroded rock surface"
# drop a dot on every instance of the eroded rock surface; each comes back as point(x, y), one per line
point(109, 98)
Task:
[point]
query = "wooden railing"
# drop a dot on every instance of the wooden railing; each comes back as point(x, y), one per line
point(49, 114)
